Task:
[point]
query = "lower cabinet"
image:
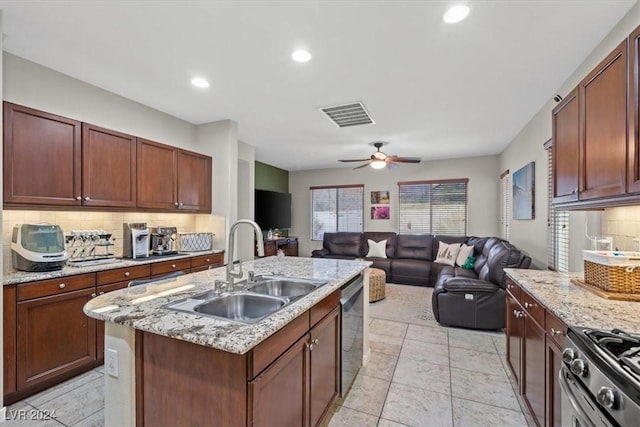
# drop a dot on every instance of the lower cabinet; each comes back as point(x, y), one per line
point(288, 245)
point(290, 379)
point(535, 337)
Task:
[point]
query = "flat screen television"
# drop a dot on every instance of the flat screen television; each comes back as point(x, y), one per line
point(272, 209)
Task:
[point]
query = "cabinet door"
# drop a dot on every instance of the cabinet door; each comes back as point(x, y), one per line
point(41, 157)
point(194, 181)
point(292, 247)
point(324, 366)
point(277, 397)
point(603, 132)
point(554, 394)
point(514, 335)
point(533, 359)
point(108, 168)
point(157, 175)
point(54, 337)
point(633, 180)
point(566, 143)
point(270, 248)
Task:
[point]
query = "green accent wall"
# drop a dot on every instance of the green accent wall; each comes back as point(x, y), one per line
point(271, 178)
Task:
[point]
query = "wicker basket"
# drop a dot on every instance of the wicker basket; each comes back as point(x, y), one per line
point(195, 242)
point(377, 279)
point(613, 273)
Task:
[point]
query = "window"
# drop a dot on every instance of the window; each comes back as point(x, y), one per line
point(557, 225)
point(505, 207)
point(336, 209)
point(433, 207)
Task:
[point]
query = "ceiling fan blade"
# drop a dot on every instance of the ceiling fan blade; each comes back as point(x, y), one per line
point(396, 159)
point(354, 160)
point(362, 166)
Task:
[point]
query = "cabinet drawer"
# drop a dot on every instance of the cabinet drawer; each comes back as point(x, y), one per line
point(55, 286)
point(531, 306)
point(324, 307)
point(112, 287)
point(513, 289)
point(556, 328)
point(170, 266)
point(207, 260)
point(122, 274)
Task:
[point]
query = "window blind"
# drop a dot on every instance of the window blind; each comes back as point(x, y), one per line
point(336, 209)
point(433, 207)
point(505, 206)
point(557, 225)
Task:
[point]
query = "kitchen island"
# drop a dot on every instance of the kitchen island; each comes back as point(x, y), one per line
point(174, 368)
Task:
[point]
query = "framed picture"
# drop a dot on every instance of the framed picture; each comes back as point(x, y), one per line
point(524, 192)
point(379, 212)
point(379, 197)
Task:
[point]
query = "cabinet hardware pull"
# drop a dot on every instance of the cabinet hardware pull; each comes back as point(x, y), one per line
point(127, 274)
point(557, 332)
point(87, 198)
point(180, 204)
point(79, 198)
point(175, 203)
point(310, 346)
point(529, 305)
point(208, 260)
point(315, 341)
point(93, 295)
point(101, 293)
point(173, 266)
point(62, 285)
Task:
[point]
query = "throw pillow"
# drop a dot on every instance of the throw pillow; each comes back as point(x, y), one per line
point(447, 253)
point(465, 252)
point(469, 263)
point(377, 249)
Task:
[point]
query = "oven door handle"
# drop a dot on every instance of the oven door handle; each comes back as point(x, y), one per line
point(571, 397)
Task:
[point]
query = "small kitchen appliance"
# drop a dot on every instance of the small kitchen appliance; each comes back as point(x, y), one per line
point(89, 247)
point(135, 237)
point(600, 378)
point(163, 240)
point(38, 247)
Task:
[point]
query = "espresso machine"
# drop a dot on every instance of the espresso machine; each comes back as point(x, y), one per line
point(135, 237)
point(163, 240)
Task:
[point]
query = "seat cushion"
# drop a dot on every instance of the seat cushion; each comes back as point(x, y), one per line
point(415, 246)
point(410, 271)
point(345, 244)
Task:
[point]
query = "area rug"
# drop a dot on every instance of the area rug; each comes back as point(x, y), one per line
point(405, 303)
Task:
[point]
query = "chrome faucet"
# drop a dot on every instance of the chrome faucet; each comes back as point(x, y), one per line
point(231, 271)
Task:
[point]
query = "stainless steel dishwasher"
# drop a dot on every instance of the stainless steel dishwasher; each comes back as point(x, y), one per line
point(351, 300)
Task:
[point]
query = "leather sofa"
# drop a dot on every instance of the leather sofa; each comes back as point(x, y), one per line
point(470, 298)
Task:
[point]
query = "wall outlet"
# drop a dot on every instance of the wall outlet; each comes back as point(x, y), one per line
point(111, 362)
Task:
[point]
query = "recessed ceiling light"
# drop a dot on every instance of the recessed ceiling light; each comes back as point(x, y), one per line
point(301, 55)
point(456, 14)
point(199, 82)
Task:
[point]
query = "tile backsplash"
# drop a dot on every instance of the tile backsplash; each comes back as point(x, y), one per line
point(623, 225)
point(111, 222)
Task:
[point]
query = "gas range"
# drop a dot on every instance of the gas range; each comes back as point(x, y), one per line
point(604, 368)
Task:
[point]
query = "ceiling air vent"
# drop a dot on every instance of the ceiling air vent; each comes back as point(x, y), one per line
point(348, 114)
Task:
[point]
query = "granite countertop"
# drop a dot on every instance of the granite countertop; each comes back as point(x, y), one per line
point(575, 305)
point(141, 307)
point(14, 276)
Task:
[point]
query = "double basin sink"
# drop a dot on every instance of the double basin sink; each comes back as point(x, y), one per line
point(262, 297)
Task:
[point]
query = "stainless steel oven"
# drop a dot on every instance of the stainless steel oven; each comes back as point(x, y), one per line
point(351, 299)
point(600, 379)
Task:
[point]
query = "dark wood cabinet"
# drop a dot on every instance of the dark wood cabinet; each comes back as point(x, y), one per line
point(324, 366)
point(9, 329)
point(288, 245)
point(108, 168)
point(163, 268)
point(603, 127)
point(204, 262)
point(173, 179)
point(55, 338)
point(633, 177)
point(41, 158)
point(566, 142)
point(194, 181)
point(535, 339)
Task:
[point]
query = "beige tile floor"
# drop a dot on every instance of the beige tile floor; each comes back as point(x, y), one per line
point(419, 374)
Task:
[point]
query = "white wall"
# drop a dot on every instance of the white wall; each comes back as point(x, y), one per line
point(483, 193)
point(527, 147)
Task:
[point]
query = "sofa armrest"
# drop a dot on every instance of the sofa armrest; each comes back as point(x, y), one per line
point(319, 253)
point(463, 284)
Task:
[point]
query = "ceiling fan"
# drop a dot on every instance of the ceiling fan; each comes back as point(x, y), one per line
point(379, 160)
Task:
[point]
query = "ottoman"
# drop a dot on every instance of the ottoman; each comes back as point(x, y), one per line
point(377, 279)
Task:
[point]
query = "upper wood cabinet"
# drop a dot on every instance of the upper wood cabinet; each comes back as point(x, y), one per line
point(566, 143)
point(42, 163)
point(108, 167)
point(170, 178)
point(603, 128)
point(633, 177)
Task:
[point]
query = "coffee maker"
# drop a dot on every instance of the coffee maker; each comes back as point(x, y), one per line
point(135, 238)
point(163, 240)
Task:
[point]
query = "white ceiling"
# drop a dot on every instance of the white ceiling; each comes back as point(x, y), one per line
point(435, 90)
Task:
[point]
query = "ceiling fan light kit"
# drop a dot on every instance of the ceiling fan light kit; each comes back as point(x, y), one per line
point(379, 160)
